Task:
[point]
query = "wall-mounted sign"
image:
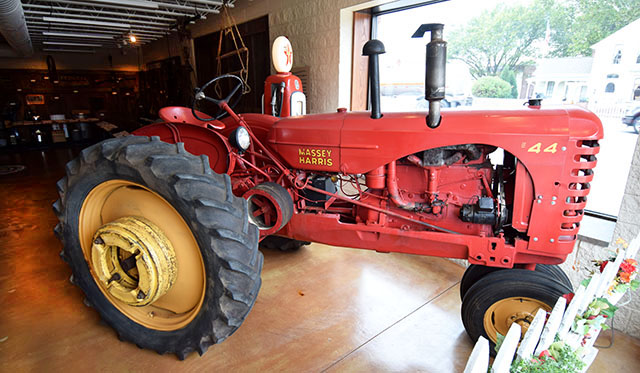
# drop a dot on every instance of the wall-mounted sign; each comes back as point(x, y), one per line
point(35, 99)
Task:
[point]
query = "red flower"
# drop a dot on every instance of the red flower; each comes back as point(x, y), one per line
point(602, 265)
point(568, 297)
point(625, 277)
point(544, 354)
point(627, 266)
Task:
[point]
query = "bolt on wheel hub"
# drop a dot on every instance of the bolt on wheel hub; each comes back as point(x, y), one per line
point(524, 319)
point(134, 260)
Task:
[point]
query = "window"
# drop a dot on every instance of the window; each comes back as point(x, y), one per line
point(550, 86)
point(402, 80)
point(610, 88)
point(562, 90)
point(583, 94)
point(617, 58)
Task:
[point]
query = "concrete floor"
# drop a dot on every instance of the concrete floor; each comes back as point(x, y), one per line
point(320, 309)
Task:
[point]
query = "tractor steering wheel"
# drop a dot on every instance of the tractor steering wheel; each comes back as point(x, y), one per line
point(199, 95)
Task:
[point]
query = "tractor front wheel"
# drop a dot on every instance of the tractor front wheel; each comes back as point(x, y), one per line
point(158, 243)
point(475, 272)
point(501, 298)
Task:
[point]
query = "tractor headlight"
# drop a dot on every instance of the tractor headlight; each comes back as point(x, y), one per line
point(240, 138)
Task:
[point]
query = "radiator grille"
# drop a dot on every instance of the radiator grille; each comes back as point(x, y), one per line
point(580, 165)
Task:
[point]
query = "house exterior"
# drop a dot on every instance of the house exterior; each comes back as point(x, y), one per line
point(561, 80)
point(615, 75)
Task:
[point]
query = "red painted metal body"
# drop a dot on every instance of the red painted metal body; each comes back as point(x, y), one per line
point(409, 205)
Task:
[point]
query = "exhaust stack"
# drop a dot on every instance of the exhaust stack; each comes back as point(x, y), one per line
point(373, 48)
point(435, 70)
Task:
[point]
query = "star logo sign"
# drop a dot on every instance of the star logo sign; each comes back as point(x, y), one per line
point(288, 53)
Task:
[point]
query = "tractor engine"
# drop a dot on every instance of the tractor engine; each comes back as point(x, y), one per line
point(449, 187)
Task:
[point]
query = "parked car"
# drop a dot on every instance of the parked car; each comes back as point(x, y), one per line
point(632, 118)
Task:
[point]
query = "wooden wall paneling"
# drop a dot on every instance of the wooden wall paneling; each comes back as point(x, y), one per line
point(359, 82)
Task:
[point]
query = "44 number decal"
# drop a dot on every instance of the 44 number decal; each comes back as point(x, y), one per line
point(537, 148)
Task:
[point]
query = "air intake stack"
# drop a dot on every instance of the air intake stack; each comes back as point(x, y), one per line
point(435, 70)
point(373, 48)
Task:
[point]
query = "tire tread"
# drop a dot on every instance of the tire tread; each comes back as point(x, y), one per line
point(190, 178)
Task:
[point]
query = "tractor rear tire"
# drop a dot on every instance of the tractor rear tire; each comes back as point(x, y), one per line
point(282, 243)
point(500, 298)
point(216, 270)
point(475, 272)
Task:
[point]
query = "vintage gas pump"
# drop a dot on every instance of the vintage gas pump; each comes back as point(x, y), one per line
point(283, 95)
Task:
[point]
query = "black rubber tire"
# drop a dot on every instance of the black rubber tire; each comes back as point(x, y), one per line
point(218, 220)
point(282, 243)
point(475, 272)
point(499, 285)
point(636, 124)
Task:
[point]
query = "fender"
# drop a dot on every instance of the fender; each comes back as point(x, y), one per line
point(197, 140)
point(260, 125)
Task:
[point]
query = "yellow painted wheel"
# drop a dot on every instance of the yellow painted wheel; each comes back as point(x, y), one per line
point(500, 315)
point(119, 219)
point(157, 241)
point(500, 298)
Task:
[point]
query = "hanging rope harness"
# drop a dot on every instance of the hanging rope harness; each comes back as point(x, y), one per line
point(231, 30)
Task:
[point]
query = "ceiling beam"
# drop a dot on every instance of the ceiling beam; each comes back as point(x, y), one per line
point(71, 44)
point(94, 12)
point(102, 18)
point(46, 28)
point(86, 22)
point(174, 5)
point(76, 35)
point(99, 8)
point(131, 3)
point(90, 51)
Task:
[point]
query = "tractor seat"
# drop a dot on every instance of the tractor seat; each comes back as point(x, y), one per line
point(181, 114)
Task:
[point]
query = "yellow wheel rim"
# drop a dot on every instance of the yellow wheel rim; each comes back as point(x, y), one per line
point(164, 287)
point(499, 317)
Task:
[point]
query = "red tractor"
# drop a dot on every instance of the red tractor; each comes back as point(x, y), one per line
point(161, 229)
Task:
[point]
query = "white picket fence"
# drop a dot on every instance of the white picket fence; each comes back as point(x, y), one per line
point(543, 331)
point(608, 110)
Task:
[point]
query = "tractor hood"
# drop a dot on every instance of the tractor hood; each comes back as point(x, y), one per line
point(354, 143)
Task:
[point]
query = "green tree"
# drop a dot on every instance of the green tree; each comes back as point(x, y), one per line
point(510, 77)
point(492, 87)
point(497, 39)
point(502, 38)
point(578, 24)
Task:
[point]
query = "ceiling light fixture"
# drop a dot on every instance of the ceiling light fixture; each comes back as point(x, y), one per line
point(68, 50)
point(71, 44)
point(133, 3)
point(85, 22)
point(132, 38)
point(72, 35)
